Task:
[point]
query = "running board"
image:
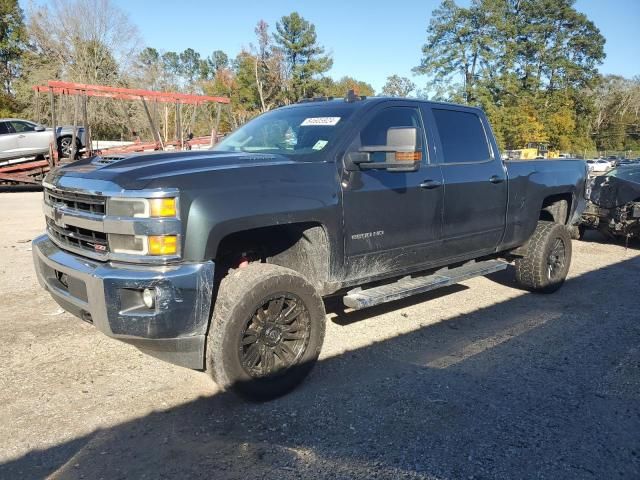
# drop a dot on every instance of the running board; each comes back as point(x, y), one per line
point(407, 286)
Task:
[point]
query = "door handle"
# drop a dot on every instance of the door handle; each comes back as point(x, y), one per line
point(496, 179)
point(430, 184)
point(21, 136)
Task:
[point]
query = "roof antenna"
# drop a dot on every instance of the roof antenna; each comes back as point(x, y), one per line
point(352, 96)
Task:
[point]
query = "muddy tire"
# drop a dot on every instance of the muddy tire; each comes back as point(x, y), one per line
point(546, 263)
point(266, 331)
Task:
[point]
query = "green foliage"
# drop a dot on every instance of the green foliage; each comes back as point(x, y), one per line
point(8, 105)
point(305, 59)
point(339, 88)
point(94, 63)
point(210, 65)
point(398, 86)
point(13, 37)
point(529, 63)
point(616, 123)
point(171, 63)
point(189, 65)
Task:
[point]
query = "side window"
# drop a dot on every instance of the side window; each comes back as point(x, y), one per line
point(20, 127)
point(4, 129)
point(462, 136)
point(375, 133)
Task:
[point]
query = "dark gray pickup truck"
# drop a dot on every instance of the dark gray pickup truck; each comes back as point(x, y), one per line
point(219, 260)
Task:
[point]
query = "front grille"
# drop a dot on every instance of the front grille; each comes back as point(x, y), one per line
point(73, 237)
point(95, 204)
point(77, 237)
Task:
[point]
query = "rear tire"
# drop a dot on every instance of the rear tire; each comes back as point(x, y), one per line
point(64, 147)
point(546, 263)
point(266, 332)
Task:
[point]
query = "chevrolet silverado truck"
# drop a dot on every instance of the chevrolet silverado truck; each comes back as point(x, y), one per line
point(219, 260)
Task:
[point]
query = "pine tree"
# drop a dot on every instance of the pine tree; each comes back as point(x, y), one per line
point(305, 58)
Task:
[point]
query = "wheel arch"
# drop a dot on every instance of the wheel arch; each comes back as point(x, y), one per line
point(303, 247)
point(557, 208)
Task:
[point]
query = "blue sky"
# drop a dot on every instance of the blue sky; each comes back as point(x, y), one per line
point(368, 39)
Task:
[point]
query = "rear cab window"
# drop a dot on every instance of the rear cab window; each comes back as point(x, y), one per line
point(462, 136)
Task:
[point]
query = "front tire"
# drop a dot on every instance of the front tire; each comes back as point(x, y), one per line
point(546, 263)
point(266, 332)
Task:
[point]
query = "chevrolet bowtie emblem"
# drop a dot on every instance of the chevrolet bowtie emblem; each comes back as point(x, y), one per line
point(57, 218)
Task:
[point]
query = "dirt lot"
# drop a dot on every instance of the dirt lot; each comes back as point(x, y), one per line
point(480, 380)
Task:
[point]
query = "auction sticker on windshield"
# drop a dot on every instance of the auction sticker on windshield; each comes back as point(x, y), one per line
point(324, 121)
point(320, 144)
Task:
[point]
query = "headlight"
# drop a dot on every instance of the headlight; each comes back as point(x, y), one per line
point(142, 207)
point(144, 245)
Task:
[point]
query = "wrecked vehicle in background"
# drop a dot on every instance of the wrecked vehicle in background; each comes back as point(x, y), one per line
point(614, 203)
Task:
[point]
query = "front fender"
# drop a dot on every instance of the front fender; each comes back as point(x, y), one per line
point(263, 197)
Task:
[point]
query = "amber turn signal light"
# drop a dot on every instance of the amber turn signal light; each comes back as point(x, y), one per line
point(408, 156)
point(162, 207)
point(163, 245)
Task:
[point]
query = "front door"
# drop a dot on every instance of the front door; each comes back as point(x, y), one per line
point(392, 220)
point(475, 198)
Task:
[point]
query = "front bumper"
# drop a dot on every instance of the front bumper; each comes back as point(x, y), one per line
point(109, 296)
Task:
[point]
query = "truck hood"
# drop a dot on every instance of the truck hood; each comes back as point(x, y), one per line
point(138, 171)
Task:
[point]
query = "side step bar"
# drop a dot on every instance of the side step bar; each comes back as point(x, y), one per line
point(407, 286)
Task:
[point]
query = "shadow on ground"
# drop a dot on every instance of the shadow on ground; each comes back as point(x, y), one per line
point(533, 387)
point(595, 236)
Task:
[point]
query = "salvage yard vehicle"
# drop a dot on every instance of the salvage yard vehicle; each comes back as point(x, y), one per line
point(25, 139)
point(220, 260)
point(598, 165)
point(614, 203)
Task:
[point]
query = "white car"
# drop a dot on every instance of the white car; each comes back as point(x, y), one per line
point(23, 138)
point(599, 165)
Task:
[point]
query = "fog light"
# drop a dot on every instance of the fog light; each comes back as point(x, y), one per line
point(163, 245)
point(149, 297)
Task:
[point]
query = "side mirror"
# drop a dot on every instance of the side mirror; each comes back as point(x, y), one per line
point(403, 152)
point(407, 142)
point(39, 128)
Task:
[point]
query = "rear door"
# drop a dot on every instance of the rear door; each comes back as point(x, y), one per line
point(8, 140)
point(475, 197)
point(391, 220)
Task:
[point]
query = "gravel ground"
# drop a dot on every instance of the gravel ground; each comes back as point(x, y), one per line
point(480, 380)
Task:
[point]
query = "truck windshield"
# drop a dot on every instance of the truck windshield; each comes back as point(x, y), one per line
point(299, 131)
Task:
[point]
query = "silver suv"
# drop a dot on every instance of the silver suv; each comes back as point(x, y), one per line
point(23, 138)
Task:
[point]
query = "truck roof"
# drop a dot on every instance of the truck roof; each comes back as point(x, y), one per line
point(360, 102)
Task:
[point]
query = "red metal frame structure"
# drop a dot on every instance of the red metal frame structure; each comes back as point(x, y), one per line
point(71, 88)
point(56, 87)
point(23, 172)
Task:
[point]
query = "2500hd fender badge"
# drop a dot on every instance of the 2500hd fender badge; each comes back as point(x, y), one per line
point(365, 235)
